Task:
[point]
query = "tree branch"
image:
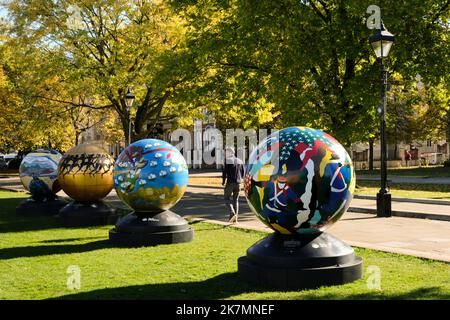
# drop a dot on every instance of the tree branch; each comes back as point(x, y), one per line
point(74, 105)
point(244, 66)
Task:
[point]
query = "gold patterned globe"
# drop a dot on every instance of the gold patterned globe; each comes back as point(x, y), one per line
point(85, 173)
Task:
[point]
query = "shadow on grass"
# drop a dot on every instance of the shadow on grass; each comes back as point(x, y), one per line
point(229, 285)
point(35, 251)
point(68, 240)
point(208, 227)
point(219, 287)
point(10, 222)
point(420, 293)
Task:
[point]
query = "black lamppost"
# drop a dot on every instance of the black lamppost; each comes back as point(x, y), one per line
point(381, 43)
point(129, 100)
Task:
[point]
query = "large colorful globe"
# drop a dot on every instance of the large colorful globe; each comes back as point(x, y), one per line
point(85, 173)
point(39, 173)
point(299, 180)
point(150, 175)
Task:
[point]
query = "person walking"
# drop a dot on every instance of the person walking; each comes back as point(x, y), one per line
point(232, 175)
point(408, 157)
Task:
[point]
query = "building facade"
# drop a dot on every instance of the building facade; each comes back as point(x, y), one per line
point(429, 152)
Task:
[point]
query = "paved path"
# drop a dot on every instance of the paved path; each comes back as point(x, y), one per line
point(393, 178)
point(418, 237)
point(421, 208)
point(400, 208)
point(362, 177)
point(405, 209)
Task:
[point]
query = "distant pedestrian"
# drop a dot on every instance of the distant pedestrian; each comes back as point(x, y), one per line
point(408, 157)
point(232, 176)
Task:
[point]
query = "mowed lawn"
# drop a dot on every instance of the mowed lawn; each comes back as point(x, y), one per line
point(424, 171)
point(35, 257)
point(405, 190)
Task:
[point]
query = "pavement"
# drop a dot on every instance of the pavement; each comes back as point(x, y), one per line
point(408, 209)
point(428, 237)
point(424, 238)
point(402, 207)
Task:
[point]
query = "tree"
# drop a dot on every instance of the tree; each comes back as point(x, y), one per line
point(103, 48)
point(26, 125)
point(312, 59)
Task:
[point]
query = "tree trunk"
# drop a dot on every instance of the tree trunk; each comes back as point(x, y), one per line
point(370, 154)
point(77, 137)
point(149, 112)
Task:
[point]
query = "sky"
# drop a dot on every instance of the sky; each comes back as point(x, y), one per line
point(2, 12)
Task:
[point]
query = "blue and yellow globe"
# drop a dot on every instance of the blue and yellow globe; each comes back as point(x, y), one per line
point(39, 173)
point(150, 175)
point(299, 180)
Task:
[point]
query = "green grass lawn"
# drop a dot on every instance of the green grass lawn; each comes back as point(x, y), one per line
point(35, 256)
point(430, 171)
point(405, 190)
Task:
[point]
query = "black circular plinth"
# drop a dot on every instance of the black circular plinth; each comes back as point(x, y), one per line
point(144, 229)
point(300, 262)
point(46, 207)
point(77, 214)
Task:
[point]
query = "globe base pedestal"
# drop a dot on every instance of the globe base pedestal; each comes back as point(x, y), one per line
point(49, 207)
point(77, 214)
point(146, 229)
point(300, 262)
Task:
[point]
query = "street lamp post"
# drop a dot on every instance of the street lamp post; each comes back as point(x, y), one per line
point(129, 100)
point(381, 43)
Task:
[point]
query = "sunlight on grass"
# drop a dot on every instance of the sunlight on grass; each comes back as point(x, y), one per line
point(406, 190)
point(35, 255)
point(425, 171)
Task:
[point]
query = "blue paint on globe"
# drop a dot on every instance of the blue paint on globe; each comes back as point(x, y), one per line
point(39, 173)
point(150, 175)
point(299, 180)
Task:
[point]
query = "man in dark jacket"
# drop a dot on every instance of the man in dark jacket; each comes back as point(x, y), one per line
point(233, 174)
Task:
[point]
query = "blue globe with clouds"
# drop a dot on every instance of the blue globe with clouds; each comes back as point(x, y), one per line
point(150, 175)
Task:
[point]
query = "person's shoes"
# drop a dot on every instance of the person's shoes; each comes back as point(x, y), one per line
point(233, 219)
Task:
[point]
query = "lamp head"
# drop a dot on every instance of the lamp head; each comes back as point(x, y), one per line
point(382, 42)
point(129, 98)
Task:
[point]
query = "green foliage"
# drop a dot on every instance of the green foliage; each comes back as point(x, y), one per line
point(251, 63)
point(312, 59)
point(27, 124)
point(97, 50)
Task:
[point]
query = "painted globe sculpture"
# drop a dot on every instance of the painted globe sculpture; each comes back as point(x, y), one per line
point(85, 173)
point(150, 175)
point(39, 173)
point(299, 180)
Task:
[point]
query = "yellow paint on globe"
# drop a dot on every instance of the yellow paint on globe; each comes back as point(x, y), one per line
point(85, 173)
